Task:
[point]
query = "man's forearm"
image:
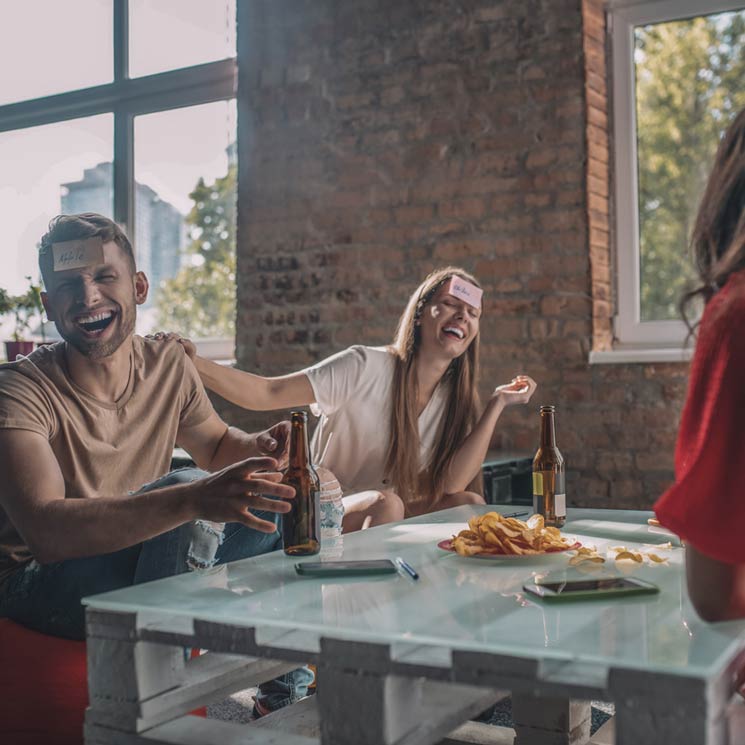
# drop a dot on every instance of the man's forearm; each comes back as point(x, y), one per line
point(234, 446)
point(73, 528)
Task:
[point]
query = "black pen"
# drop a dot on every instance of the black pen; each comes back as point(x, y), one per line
point(407, 568)
point(516, 514)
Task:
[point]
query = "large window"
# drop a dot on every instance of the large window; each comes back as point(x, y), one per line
point(129, 112)
point(678, 71)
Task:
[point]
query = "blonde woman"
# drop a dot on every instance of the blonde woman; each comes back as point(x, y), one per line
point(400, 426)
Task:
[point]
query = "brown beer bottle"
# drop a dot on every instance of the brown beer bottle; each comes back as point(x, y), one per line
point(301, 526)
point(549, 491)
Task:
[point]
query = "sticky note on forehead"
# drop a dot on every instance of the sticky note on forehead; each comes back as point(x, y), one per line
point(464, 290)
point(78, 253)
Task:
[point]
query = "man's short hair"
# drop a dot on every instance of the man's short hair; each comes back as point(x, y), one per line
point(76, 227)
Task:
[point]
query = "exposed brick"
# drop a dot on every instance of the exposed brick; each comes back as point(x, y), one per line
point(386, 139)
point(459, 250)
point(566, 305)
point(462, 209)
point(414, 214)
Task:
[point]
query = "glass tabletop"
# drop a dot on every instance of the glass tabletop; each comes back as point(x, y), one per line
point(463, 603)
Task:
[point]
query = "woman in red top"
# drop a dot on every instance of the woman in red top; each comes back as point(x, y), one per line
point(706, 505)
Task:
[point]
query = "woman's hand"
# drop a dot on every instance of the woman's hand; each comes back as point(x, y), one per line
point(188, 345)
point(517, 391)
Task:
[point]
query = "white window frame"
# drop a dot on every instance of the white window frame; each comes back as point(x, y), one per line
point(127, 98)
point(653, 340)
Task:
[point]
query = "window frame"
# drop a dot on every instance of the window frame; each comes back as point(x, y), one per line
point(127, 98)
point(623, 17)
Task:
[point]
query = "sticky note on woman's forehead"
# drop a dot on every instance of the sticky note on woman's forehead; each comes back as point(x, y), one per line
point(464, 290)
point(78, 253)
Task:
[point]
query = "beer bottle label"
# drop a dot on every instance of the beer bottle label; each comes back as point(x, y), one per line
point(560, 496)
point(560, 499)
point(560, 505)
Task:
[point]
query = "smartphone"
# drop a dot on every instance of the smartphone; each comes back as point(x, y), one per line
point(346, 568)
point(591, 588)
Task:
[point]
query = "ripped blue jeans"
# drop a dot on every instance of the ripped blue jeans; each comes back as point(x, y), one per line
point(47, 597)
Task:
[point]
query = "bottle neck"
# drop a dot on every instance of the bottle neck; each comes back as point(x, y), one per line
point(299, 448)
point(548, 432)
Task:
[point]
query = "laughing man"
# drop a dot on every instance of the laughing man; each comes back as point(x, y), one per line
point(86, 422)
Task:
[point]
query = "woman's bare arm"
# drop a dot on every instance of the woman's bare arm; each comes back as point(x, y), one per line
point(470, 455)
point(716, 589)
point(255, 392)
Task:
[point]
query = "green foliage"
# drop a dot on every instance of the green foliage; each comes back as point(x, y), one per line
point(24, 307)
point(688, 89)
point(199, 301)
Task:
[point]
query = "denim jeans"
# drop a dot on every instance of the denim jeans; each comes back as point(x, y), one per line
point(47, 597)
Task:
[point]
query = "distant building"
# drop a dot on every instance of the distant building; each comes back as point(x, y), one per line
point(159, 226)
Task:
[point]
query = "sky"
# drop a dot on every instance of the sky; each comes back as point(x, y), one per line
point(172, 149)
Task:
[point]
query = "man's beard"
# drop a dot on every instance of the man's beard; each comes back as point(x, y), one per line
point(95, 349)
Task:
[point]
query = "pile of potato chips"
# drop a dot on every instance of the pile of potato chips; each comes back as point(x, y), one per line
point(493, 534)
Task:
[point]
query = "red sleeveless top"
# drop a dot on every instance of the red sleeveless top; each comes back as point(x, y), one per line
point(706, 505)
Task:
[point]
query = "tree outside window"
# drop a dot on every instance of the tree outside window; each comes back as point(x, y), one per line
point(689, 86)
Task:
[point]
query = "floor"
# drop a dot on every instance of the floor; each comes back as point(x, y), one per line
point(238, 707)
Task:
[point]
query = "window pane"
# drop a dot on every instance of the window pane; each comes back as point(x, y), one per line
point(688, 88)
point(195, 32)
point(42, 174)
point(185, 173)
point(51, 47)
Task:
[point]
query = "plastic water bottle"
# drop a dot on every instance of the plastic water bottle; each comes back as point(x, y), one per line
point(332, 512)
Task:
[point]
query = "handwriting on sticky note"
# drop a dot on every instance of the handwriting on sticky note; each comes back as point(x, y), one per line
point(78, 253)
point(466, 291)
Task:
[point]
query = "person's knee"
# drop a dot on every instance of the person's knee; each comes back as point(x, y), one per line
point(391, 505)
point(465, 497)
point(326, 477)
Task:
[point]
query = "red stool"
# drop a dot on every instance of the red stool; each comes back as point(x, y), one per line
point(43, 687)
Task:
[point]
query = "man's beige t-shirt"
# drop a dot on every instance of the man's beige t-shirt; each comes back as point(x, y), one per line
point(103, 449)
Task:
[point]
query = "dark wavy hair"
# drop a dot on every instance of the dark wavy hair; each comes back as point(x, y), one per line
point(718, 238)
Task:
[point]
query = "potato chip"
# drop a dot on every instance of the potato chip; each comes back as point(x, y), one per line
point(622, 555)
point(583, 558)
point(656, 559)
point(493, 534)
point(586, 554)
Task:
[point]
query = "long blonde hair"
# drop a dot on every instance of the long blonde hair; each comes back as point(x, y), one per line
point(459, 417)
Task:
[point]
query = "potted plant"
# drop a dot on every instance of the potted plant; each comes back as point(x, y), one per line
point(25, 308)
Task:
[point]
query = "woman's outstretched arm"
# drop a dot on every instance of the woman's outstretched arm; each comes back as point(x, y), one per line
point(254, 392)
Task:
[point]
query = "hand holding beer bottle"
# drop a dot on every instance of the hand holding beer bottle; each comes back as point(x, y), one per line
point(549, 491)
point(301, 526)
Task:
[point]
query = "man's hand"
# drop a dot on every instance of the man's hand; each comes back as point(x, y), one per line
point(275, 442)
point(230, 495)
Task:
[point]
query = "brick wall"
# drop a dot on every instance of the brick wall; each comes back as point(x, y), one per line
point(379, 140)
